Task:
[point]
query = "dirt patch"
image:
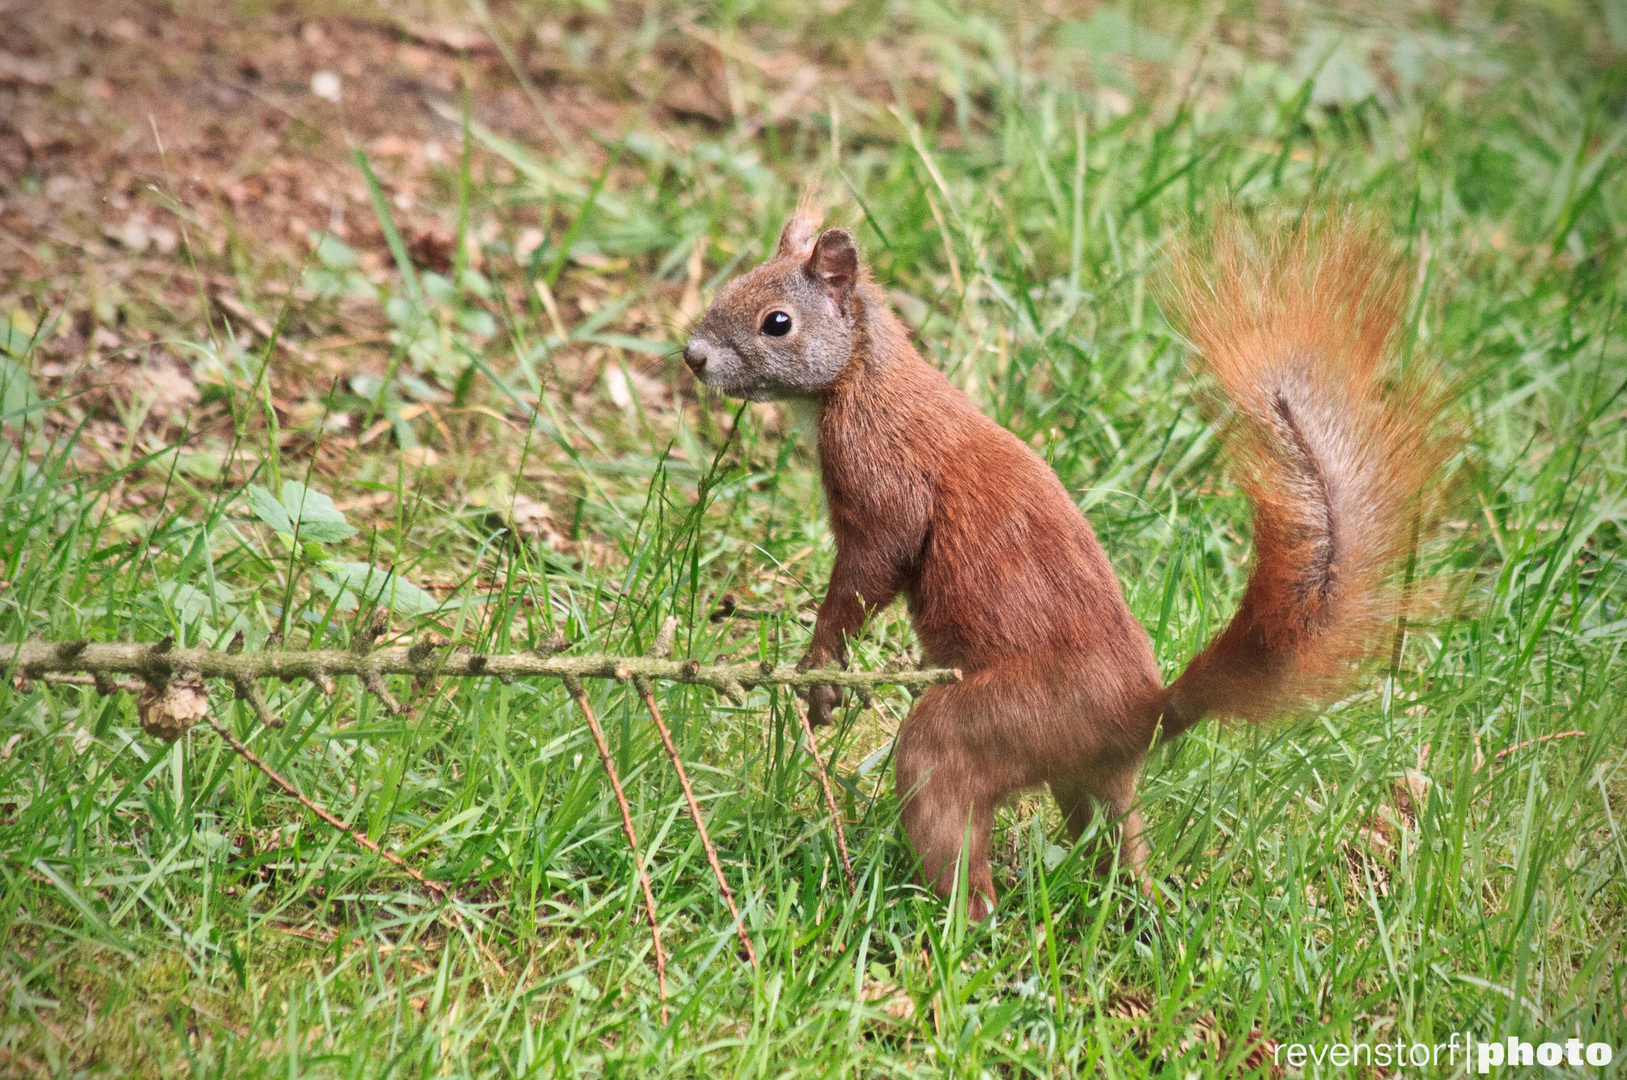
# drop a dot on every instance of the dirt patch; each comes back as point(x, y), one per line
point(168, 174)
point(165, 176)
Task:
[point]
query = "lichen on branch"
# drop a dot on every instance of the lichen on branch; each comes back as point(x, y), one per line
point(159, 663)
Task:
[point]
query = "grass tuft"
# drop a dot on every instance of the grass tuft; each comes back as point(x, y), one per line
point(512, 452)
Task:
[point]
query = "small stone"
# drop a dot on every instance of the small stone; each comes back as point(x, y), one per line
point(326, 85)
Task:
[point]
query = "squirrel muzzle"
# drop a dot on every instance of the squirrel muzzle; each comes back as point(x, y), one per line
point(695, 356)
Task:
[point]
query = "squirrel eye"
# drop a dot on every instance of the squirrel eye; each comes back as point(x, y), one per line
point(777, 324)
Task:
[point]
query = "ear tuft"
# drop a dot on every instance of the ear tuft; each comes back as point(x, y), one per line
point(798, 235)
point(834, 263)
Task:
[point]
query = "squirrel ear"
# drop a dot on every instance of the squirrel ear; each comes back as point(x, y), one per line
point(835, 263)
point(799, 232)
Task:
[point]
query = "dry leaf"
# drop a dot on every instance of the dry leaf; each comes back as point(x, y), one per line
point(697, 84)
point(396, 146)
point(1113, 102)
point(1411, 791)
point(625, 385)
point(895, 1002)
point(432, 248)
point(167, 713)
point(453, 39)
point(168, 387)
point(132, 234)
point(14, 70)
point(529, 240)
point(531, 520)
point(1262, 1049)
point(79, 737)
point(617, 384)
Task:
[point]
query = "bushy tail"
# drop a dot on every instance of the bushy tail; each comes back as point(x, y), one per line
point(1336, 446)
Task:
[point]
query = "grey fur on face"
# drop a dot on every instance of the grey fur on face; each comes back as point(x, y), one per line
point(743, 346)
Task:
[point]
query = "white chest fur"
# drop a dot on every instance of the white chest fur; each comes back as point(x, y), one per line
point(804, 415)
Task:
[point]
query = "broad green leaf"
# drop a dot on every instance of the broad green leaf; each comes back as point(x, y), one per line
point(354, 582)
point(191, 602)
point(302, 510)
point(334, 253)
point(1110, 30)
point(268, 508)
point(318, 519)
point(18, 397)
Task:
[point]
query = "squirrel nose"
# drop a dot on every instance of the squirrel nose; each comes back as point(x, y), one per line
point(695, 357)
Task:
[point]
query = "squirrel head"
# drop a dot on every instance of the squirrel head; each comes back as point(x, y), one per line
point(784, 329)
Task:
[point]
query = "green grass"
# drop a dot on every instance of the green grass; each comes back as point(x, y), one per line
point(165, 910)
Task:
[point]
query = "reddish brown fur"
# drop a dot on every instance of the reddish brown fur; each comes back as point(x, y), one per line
point(1309, 320)
point(1005, 579)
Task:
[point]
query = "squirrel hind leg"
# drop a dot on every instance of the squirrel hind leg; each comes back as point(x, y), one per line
point(948, 815)
point(1077, 807)
point(1077, 799)
point(947, 823)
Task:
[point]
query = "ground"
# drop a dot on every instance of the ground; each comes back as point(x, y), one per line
point(434, 262)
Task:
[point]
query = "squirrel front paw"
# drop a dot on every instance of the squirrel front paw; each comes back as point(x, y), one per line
point(822, 701)
point(823, 698)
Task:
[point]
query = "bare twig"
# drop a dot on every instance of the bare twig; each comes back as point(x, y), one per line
point(830, 799)
point(249, 691)
point(1501, 754)
point(450, 912)
point(355, 834)
point(646, 690)
point(730, 607)
point(574, 687)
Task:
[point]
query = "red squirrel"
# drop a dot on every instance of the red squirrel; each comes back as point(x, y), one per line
point(1004, 577)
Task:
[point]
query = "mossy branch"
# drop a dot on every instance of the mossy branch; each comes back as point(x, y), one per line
point(158, 663)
